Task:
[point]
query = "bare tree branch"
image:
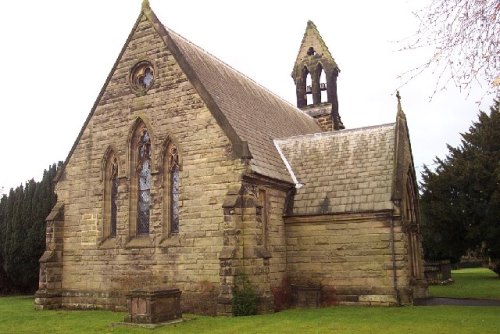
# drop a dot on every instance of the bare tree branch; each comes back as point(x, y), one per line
point(465, 38)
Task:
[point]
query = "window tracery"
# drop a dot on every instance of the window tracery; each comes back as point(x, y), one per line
point(114, 197)
point(142, 76)
point(173, 188)
point(143, 182)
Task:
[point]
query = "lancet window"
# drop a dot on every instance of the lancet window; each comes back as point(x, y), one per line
point(172, 187)
point(143, 182)
point(110, 178)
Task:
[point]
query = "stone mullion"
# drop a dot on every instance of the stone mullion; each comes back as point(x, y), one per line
point(316, 91)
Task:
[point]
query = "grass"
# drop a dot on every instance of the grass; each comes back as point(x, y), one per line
point(470, 283)
point(18, 316)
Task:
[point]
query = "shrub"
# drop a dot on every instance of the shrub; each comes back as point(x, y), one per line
point(244, 297)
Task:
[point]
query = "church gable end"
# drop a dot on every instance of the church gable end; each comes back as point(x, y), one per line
point(150, 149)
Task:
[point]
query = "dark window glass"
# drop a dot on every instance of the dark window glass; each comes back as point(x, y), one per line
point(174, 200)
point(114, 197)
point(144, 183)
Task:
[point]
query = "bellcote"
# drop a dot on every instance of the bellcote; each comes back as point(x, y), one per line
point(315, 75)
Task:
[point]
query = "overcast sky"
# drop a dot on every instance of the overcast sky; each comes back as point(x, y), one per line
point(56, 55)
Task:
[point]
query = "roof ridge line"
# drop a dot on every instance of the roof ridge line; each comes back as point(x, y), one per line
point(240, 146)
point(335, 133)
point(237, 71)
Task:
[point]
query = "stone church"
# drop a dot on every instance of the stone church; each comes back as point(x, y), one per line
point(187, 174)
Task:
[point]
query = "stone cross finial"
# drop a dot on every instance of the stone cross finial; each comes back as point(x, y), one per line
point(400, 108)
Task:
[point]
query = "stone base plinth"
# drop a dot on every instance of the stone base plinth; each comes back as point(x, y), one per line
point(47, 300)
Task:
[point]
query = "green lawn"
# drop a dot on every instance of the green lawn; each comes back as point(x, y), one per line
point(18, 316)
point(470, 283)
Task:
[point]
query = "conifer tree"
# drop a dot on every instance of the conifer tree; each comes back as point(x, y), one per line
point(461, 197)
point(22, 232)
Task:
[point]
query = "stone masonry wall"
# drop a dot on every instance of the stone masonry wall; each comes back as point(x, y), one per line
point(322, 113)
point(349, 257)
point(264, 246)
point(254, 244)
point(97, 272)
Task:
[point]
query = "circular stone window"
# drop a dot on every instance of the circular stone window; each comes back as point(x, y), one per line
point(142, 76)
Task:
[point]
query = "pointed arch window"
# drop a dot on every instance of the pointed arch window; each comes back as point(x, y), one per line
point(143, 182)
point(114, 197)
point(172, 189)
point(110, 196)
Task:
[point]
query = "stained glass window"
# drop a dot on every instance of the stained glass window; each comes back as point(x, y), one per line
point(114, 196)
point(147, 79)
point(142, 76)
point(175, 199)
point(174, 189)
point(144, 183)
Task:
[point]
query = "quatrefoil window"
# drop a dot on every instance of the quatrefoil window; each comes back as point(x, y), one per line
point(142, 76)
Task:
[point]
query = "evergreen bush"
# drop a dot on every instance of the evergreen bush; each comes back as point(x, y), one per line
point(244, 297)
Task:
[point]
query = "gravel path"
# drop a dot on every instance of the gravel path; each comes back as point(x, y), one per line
point(455, 301)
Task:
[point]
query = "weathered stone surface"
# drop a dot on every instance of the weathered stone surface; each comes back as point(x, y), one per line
point(151, 307)
point(349, 231)
point(342, 171)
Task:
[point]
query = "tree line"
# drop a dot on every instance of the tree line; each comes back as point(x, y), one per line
point(460, 198)
point(22, 232)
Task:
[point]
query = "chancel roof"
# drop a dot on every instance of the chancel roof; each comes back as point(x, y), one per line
point(341, 171)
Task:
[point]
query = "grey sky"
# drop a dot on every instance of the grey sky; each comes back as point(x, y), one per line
point(57, 54)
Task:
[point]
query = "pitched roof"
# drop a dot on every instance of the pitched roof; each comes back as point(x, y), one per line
point(246, 111)
point(250, 115)
point(342, 171)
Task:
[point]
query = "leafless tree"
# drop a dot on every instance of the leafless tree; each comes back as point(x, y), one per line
point(464, 36)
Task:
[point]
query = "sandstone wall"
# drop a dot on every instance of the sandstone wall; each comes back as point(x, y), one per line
point(97, 272)
point(348, 256)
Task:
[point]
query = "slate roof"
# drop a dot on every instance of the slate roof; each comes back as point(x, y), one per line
point(246, 111)
point(342, 171)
